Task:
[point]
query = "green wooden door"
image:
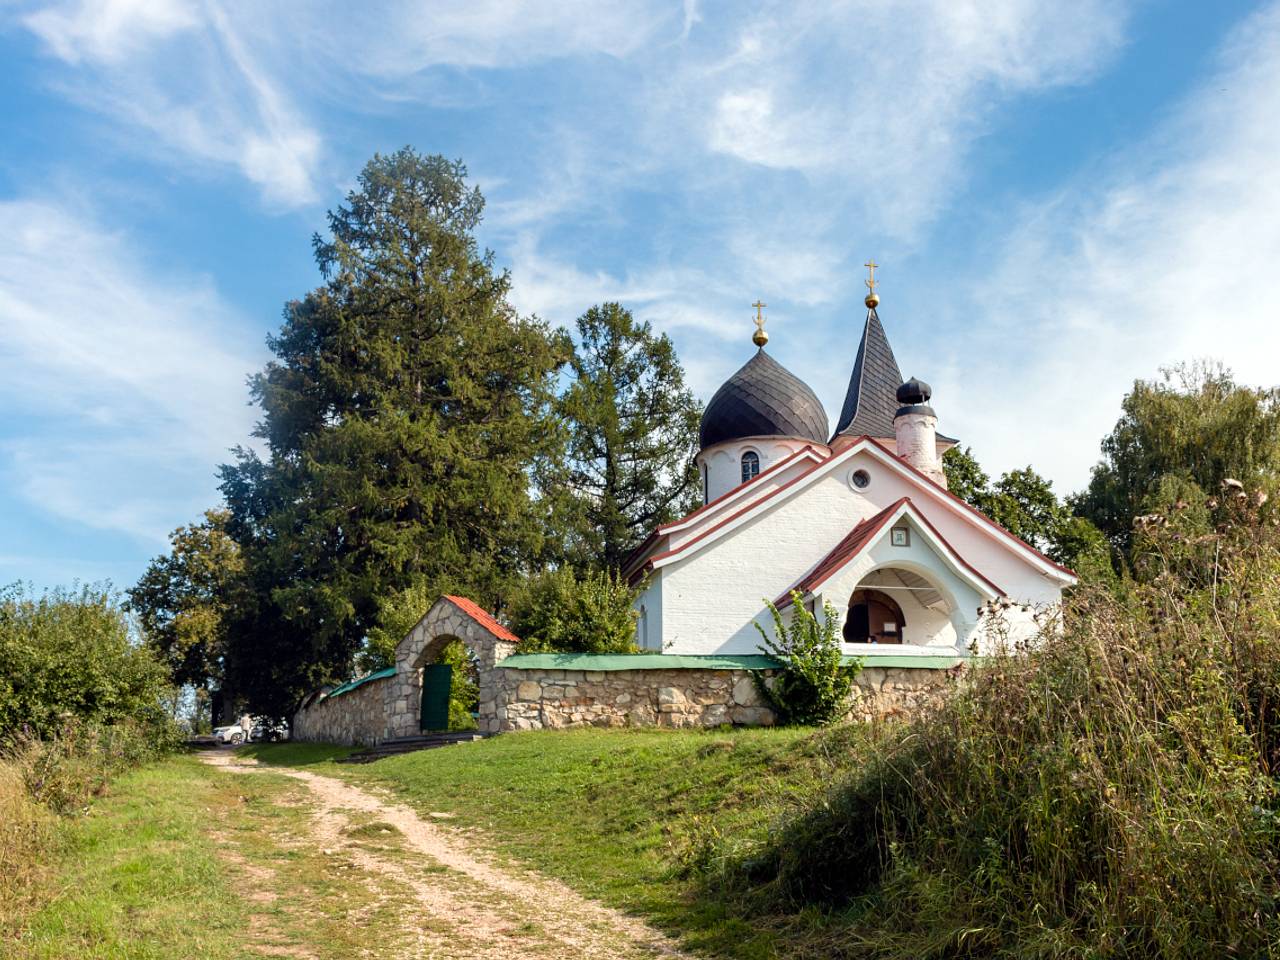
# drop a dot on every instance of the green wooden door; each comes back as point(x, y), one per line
point(436, 681)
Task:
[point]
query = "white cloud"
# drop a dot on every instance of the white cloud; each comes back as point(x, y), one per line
point(1167, 255)
point(109, 31)
point(236, 86)
point(185, 76)
point(121, 391)
point(880, 103)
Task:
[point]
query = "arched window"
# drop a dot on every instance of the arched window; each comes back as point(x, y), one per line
point(706, 483)
point(874, 617)
point(750, 465)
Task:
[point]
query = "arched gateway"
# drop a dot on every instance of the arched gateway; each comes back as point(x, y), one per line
point(450, 618)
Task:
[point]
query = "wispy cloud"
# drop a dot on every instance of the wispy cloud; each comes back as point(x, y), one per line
point(236, 86)
point(1166, 255)
point(185, 76)
point(121, 389)
point(880, 104)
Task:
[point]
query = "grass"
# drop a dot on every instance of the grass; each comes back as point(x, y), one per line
point(178, 860)
point(626, 817)
point(137, 878)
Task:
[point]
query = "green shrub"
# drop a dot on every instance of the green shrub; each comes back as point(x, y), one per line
point(1110, 792)
point(813, 686)
point(68, 653)
point(65, 769)
point(464, 686)
point(559, 611)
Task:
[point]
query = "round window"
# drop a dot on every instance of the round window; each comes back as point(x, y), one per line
point(860, 479)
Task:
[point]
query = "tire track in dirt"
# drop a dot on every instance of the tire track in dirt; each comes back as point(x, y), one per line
point(474, 908)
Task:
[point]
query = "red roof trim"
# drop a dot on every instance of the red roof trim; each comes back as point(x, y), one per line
point(967, 506)
point(843, 552)
point(740, 487)
point(661, 529)
point(733, 516)
point(860, 538)
point(482, 617)
point(894, 458)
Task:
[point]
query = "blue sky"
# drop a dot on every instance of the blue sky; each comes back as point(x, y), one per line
point(1062, 198)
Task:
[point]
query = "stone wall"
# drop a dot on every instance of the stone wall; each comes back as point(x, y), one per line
point(531, 694)
point(449, 619)
point(536, 699)
point(354, 718)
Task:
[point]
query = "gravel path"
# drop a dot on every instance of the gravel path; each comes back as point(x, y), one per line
point(469, 903)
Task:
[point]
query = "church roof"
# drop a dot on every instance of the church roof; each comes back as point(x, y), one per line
point(862, 536)
point(763, 399)
point(871, 401)
point(651, 554)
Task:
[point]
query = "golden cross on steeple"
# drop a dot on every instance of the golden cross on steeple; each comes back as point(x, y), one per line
point(759, 338)
point(872, 299)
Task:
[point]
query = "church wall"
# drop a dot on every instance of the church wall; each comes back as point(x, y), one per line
point(1021, 581)
point(713, 598)
point(649, 605)
point(723, 461)
point(761, 487)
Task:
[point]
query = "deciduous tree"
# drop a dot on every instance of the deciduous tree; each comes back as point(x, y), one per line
point(184, 598)
point(1177, 439)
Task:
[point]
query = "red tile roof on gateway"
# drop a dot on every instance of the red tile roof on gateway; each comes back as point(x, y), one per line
point(485, 619)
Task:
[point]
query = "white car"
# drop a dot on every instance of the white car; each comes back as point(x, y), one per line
point(233, 734)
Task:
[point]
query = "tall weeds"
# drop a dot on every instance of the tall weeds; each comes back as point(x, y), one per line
point(1109, 792)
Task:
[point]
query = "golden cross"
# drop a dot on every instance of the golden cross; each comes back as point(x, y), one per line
point(759, 316)
point(871, 283)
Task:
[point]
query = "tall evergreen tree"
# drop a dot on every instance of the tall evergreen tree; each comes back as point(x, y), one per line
point(632, 435)
point(402, 417)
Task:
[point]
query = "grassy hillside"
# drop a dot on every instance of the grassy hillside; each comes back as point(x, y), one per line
point(1110, 793)
point(629, 817)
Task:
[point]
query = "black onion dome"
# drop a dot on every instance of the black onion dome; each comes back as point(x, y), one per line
point(914, 391)
point(763, 399)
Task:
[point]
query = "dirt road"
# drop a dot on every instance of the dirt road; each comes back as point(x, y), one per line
point(457, 900)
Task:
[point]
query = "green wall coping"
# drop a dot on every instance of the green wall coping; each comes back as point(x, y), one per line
point(671, 661)
point(360, 681)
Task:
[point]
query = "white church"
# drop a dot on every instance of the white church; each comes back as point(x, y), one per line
point(859, 518)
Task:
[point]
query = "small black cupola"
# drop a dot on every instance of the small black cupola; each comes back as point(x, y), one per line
point(914, 395)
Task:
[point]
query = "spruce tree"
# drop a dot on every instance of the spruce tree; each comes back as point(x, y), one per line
point(402, 417)
point(632, 435)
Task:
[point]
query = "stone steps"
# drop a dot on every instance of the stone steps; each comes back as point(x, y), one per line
point(398, 745)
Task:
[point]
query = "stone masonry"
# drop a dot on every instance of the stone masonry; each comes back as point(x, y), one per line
point(448, 619)
point(526, 698)
point(555, 699)
point(353, 719)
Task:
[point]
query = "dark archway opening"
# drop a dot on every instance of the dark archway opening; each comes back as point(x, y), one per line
point(874, 617)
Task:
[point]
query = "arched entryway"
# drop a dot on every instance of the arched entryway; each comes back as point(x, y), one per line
point(457, 635)
point(450, 685)
point(900, 605)
point(873, 617)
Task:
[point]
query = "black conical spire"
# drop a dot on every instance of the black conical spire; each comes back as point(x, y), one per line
point(872, 401)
